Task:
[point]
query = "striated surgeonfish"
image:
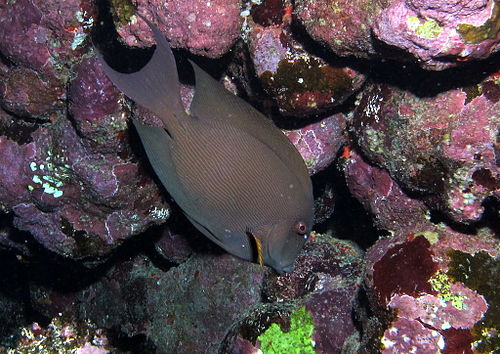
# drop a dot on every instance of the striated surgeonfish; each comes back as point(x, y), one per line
point(234, 174)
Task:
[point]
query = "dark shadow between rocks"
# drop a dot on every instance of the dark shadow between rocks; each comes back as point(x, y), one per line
point(349, 221)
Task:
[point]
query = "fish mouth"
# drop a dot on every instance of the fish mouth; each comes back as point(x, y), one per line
point(274, 259)
point(286, 269)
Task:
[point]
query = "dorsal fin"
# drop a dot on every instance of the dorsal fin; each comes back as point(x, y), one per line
point(213, 102)
point(156, 85)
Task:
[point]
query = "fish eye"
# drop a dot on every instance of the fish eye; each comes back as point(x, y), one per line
point(301, 228)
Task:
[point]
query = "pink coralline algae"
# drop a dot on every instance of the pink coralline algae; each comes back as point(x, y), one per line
point(300, 83)
point(41, 40)
point(381, 196)
point(442, 146)
point(422, 340)
point(432, 311)
point(75, 201)
point(79, 195)
point(319, 143)
point(424, 283)
point(343, 25)
point(206, 28)
point(431, 30)
point(436, 34)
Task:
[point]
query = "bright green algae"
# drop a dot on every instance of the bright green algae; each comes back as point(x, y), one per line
point(296, 341)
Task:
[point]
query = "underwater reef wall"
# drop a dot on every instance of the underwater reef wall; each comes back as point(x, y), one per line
point(394, 106)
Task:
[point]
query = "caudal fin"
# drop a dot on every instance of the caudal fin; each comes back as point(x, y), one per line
point(156, 85)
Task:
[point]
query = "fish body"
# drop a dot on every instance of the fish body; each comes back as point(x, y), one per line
point(233, 173)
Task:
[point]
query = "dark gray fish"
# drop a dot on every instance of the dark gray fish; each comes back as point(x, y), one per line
point(234, 174)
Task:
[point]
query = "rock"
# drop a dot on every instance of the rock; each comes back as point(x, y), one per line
point(427, 287)
point(206, 28)
point(441, 146)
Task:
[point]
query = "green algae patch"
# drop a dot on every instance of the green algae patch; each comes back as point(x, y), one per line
point(427, 28)
point(336, 9)
point(472, 92)
point(296, 341)
point(488, 30)
point(431, 236)
point(441, 283)
point(124, 10)
point(480, 272)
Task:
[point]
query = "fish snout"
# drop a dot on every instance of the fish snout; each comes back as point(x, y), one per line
point(283, 268)
point(288, 269)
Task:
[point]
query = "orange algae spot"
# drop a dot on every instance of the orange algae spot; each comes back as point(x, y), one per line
point(71, 28)
point(288, 13)
point(346, 153)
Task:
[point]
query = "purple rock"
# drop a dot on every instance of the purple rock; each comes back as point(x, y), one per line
point(76, 201)
point(441, 146)
point(331, 312)
point(299, 82)
point(21, 25)
point(382, 197)
point(41, 41)
point(42, 35)
point(186, 309)
point(435, 34)
point(173, 246)
point(79, 192)
point(319, 143)
point(95, 107)
point(422, 279)
point(431, 30)
point(207, 28)
point(344, 26)
point(13, 176)
point(25, 94)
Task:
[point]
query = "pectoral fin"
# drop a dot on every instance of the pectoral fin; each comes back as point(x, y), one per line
point(235, 244)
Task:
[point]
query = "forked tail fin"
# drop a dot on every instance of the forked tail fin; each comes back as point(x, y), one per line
point(156, 85)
